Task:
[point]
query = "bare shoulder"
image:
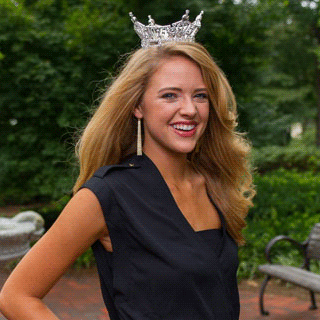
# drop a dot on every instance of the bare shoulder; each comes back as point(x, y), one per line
point(83, 209)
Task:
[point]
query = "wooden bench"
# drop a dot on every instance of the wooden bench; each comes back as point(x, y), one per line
point(302, 276)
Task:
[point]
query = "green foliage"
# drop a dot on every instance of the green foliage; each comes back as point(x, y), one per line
point(298, 157)
point(287, 202)
point(283, 193)
point(286, 89)
point(300, 154)
point(235, 35)
point(47, 83)
point(288, 80)
point(261, 120)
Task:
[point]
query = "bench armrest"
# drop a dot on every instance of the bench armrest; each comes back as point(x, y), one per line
point(272, 242)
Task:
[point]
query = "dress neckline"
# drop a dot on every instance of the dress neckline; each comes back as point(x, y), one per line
point(210, 230)
point(177, 209)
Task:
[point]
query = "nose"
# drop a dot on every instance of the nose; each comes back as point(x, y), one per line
point(188, 108)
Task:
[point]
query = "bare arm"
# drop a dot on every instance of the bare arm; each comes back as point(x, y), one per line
point(79, 225)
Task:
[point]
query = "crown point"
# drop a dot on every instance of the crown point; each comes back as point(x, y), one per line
point(185, 17)
point(133, 18)
point(155, 35)
point(151, 21)
point(199, 17)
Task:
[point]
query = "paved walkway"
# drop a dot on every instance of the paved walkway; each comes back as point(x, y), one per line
point(77, 296)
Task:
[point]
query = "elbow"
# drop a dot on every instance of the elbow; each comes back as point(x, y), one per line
point(5, 304)
point(2, 303)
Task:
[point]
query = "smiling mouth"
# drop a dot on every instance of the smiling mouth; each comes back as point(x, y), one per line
point(184, 127)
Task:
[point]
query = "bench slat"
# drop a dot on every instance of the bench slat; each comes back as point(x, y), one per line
point(297, 276)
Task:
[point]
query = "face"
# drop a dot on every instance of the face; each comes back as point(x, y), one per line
point(174, 108)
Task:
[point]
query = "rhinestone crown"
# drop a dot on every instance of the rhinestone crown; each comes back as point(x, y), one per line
point(155, 35)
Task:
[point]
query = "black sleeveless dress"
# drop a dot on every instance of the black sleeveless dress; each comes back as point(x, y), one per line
point(160, 268)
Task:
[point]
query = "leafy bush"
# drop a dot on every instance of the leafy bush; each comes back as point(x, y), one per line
point(52, 57)
point(264, 122)
point(33, 179)
point(287, 202)
point(300, 154)
point(282, 193)
point(295, 155)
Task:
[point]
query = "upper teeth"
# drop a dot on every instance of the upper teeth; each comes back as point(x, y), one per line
point(184, 127)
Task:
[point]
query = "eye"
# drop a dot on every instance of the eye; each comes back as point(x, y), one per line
point(201, 97)
point(169, 96)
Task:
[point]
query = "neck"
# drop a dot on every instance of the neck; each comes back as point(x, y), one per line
point(174, 167)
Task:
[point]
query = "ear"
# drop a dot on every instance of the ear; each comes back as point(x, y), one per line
point(138, 112)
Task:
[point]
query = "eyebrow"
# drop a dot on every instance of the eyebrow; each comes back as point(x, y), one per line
point(179, 89)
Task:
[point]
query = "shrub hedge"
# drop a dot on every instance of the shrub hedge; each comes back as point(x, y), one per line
point(294, 156)
point(287, 202)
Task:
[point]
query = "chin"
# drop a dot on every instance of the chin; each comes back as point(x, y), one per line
point(184, 150)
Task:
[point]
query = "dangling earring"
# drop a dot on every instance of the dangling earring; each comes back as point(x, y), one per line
point(139, 139)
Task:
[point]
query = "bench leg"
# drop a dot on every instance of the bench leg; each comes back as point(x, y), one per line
point(263, 288)
point(313, 301)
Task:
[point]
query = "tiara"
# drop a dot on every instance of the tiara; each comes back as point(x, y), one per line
point(153, 35)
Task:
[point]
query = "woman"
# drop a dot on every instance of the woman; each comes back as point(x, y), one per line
point(164, 225)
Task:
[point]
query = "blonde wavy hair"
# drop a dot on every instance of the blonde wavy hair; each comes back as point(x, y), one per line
point(221, 155)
